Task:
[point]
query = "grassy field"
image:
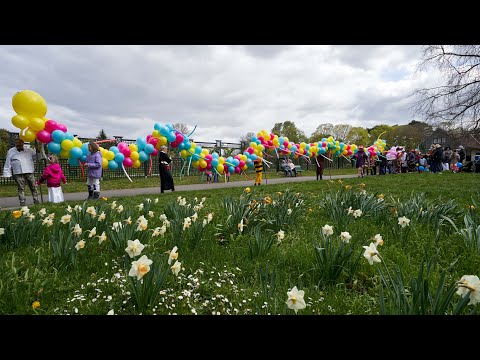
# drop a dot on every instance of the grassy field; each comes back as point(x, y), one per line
point(247, 249)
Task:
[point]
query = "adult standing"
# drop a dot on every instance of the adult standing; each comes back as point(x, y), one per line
point(320, 162)
point(461, 152)
point(19, 162)
point(166, 179)
point(361, 158)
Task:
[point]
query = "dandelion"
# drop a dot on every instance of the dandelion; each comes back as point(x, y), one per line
point(240, 226)
point(173, 255)
point(91, 210)
point(348, 187)
point(186, 223)
point(102, 238)
point(247, 190)
point(469, 283)
point(371, 253)
point(80, 245)
point(104, 198)
point(403, 221)
point(357, 213)
point(280, 235)
point(378, 240)
point(140, 267)
point(92, 232)
point(16, 214)
point(134, 248)
point(471, 207)
point(36, 304)
point(176, 267)
point(102, 216)
point(327, 230)
point(345, 236)
point(77, 230)
point(65, 219)
point(295, 299)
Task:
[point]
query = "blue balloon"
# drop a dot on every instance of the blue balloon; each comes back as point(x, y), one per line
point(231, 169)
point(187, 144)
point(459, 165)
point(148, 149)
point(421, 168)
point(114, 149)
point(164, 130)
point(171, 137)
point(156, 126)
point(58, 136)
point(119, 157)
point(76, 152)
point(54, 147)
point(141, 142)
point(85, 149)
point(198, 149)
point(143, 156)
point(73, 161)
point(169, 126)
point(112, 165)
point(214, 162)
point(83, 158)
point(69, 136)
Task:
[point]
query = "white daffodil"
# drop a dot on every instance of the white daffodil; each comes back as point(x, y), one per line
point(197, 208)
point(295, 299)
point(77, 208)
point(187, 222)
point(240, 226)
point(2, 231)
point(51, 216)
point(156, 201)
point(166, 223)
point(155, 232)
point(47, 221)
point(77, 230)
point(209, 217)
point(134, 248)
point(148, 200)
point(25, 210)
point(173, 255)
point(345, 236)
point(65, 219)
point(357, 213)
point(327, 230)
point(102, 216)
point(183, 202)
point(378, 240)
point(142, 225)
point(205, 222)
point(176, 267)
point(128, 220)
point(203, 200)
point(117, 226)
point(30, 217)
point(163, 217)
point(111, 312)
point(151, 213)
point(80, 245)
point(120, 209)
point(350, 210)
point(280, 235)
point(163, 229)
point(69, 209)
point(470, 283)
point(403, 221)
point(102, 238)
point(194, 217)
point(113, 205)
point(140, 207)
point(371, 253)
point(91, 210)
point(93, 232)
point(289, 212)
point(140, 267)
point(42, 212)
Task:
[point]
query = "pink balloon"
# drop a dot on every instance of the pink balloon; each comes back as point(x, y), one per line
point(50, 125)
point(270, 143)
point(154, 153)
point(179, 138)
point(250, 150)
point(237, 170)
point(261, 139)
point(174, 144)
point(209, 166)
point(285, 143)
point(61, 127)
point(121, 145)
point(44, 136)
point(201, 169)
point(127, 162)
point(241, 164)
point(208, 157)
point(153, 141)
point(126, 151)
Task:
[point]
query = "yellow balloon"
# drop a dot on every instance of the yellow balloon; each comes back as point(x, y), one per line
point(162, 141)
point(203, 163)
point(28, 136)
point(195, 163)
point(220, 168)
point(77, 143)
point(65, 154)
point(104, 163)
point(109, 155)
point(156, 133)
point(183, 153)
point(221, 160)
point(133, 147)
point(37, 124)
point(134, 155)
point(67, 144)
point(29, 103)
point(136, 164)
point(20, 121)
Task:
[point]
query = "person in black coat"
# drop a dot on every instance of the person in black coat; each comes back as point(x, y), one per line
point(166, 179)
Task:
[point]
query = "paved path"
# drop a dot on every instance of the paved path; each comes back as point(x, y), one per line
point(8, 203)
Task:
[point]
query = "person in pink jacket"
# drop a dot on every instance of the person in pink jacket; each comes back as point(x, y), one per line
point(53, 174)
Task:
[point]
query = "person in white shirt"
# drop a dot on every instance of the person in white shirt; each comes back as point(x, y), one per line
point(20, 163)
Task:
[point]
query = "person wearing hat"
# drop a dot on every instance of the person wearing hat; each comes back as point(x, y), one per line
point(19, 162)
point(166, 179)
point(461, 152)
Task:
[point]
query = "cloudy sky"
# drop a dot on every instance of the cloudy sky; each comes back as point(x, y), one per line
point(226, 91)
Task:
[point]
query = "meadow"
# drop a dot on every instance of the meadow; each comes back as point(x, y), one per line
point(395, 244)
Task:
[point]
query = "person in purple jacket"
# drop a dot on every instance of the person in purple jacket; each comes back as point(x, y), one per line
point(94, 165)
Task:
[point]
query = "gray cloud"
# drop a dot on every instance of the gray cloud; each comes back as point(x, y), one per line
point(226, 91)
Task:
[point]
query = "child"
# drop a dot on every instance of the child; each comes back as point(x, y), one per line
point(227, 175)
point(94, 165)
point(54, 175)
point(258, 164)
point(209, 176)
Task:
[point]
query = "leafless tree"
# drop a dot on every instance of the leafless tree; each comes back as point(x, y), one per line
point(457, 102)
point(183, 128)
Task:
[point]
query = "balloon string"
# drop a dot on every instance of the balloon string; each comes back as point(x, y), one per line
point(149, 170)
point(125, 171)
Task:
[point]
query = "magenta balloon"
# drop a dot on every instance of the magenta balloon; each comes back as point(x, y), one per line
point(127, 162)
point(179, 138)
point(241, 164)
point(154, 141)
point(148, 138)
point(44, 136)
point(121, 145)
point(208, 157)
point(126, 151)
point(209, 166)
point(154, 153)
point(61, 127)
point(174, 144)
point(50, 125)
point(250, 150)
point(237, 170)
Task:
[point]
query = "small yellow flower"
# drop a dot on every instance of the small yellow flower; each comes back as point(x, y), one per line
point(380, 196)
point(348, 187)
point(36, 304)
point(279, 193)
point(104, 198)
point(340, 181)
point(471, 207)
point(247, 190)
point(16, 214)
point(362, 184)
point(310, 210)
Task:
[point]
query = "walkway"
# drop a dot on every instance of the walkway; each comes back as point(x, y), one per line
point(9, 203)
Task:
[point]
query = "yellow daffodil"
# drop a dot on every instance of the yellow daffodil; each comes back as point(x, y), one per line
point(36, 304)
point(16, 214)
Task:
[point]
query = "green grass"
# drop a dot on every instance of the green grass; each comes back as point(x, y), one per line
point(221, 277)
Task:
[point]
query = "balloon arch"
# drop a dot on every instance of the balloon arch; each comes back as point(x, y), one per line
point(30, 118)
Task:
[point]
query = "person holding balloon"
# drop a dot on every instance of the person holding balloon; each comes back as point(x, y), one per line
point(94, 166)
point(258, 165)
point(166, 179)
point(19, 162)
point(53, 174)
